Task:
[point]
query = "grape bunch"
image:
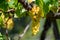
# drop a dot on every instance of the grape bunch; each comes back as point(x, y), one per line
point(10, 24)
point(7, 22)
point(35, 14)
point(35, 28)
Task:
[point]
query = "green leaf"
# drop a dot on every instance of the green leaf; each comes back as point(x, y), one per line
point(40, 3)
point(12, 3)
point(19, 10)
point(1, 21)
point(4, 6)
point(1, 1)
point(46, 1)
point(46, 8)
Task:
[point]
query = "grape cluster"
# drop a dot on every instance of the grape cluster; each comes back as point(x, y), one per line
point(35, 28)
point(8, 22)
point(35, 16)
point(36, 13)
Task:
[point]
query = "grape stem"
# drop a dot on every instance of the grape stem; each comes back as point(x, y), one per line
point(25, 4)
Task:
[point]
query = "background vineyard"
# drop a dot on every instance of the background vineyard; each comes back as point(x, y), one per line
point(22, 19)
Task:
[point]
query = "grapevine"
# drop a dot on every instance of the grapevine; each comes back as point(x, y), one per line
point(35, 9)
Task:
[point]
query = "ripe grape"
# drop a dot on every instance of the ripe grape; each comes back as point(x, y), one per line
point(35, 16)
point(36, 13)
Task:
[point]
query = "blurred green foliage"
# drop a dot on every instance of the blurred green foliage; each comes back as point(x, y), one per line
point(21, 14)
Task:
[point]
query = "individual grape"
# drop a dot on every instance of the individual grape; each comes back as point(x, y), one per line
point(34, 17)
